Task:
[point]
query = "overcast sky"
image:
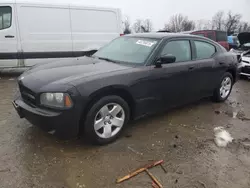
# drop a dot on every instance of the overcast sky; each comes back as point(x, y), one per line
point(159, 11)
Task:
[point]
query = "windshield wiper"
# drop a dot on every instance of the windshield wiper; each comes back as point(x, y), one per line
point(107, 59)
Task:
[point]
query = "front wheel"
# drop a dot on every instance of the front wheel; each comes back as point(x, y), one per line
point(224, 89)
point(106, 119)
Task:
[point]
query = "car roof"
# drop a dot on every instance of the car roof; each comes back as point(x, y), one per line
point(63, 3)
point(205, 30)
point(162, 35)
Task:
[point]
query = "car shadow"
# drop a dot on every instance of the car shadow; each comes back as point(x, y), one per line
point(34, 135)
point(166, 114)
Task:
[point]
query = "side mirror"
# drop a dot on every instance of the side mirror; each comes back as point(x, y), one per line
point(165, 59)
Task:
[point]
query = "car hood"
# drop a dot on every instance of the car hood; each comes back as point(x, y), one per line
point(244, 37)
point(66, 71)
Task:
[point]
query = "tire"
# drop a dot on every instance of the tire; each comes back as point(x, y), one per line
point(218, 96)
point(105, 114)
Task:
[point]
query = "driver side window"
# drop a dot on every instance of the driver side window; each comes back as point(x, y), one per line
point(5, 17)
point(181, 49)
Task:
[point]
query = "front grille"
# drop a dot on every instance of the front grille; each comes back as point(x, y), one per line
point(27, 95)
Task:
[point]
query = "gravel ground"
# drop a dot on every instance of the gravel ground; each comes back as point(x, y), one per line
point(182, 137)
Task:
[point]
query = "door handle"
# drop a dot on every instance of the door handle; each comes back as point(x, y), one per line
point(222, 63)
point(9, 36)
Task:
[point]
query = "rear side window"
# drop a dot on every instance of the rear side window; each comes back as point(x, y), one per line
point(221, 36)
point(204, 50)
point(5, 17)
point(180, 49)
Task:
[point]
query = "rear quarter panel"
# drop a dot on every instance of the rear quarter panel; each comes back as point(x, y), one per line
point(229, 64)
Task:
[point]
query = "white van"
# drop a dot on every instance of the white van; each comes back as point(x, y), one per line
point(32, 33)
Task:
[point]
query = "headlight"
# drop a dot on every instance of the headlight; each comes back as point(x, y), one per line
point(56, 100)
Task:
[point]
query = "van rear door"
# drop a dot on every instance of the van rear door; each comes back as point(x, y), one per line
point(8, 36)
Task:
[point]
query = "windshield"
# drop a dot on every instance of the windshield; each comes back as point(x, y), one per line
point(128, 50)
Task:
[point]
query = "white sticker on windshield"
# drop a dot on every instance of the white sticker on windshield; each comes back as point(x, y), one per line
point(146, 43)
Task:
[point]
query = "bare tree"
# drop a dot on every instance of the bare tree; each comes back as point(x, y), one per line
point(203, 24)
point(127, 26)
point(179, 23)
point(232, 22)
point(218, 21)
point(137, 26)
point(229, 22)
point(143, 26)
point(147, 26)
point(188, 25)
point(244, 27)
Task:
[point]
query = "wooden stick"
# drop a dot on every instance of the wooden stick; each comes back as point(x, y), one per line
point(138, 171)
point(154, 179)
point(154, 185)
point(163, 168)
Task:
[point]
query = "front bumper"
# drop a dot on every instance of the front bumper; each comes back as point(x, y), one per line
point(64, 124)
point(245, 70)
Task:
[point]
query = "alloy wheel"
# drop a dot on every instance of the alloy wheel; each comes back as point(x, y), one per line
point(109, 120)
point(225, 88)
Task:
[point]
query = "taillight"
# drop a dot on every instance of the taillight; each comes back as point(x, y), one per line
point(121, 34)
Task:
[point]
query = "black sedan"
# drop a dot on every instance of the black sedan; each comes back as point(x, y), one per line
point(132, 76)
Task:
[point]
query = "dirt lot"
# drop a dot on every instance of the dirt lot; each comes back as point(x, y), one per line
point(182, 137)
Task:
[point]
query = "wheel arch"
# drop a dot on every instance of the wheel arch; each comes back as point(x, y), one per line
point(118, 90)
point(232, 71)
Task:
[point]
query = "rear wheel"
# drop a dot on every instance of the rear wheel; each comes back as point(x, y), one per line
point(224, 89)
point(106, 119)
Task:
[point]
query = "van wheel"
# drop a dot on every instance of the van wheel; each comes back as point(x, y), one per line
point(224, 89)
point(106, 119)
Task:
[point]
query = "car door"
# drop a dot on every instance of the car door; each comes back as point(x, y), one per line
point(205, 70)
point(8, 36)
point(177, 80)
